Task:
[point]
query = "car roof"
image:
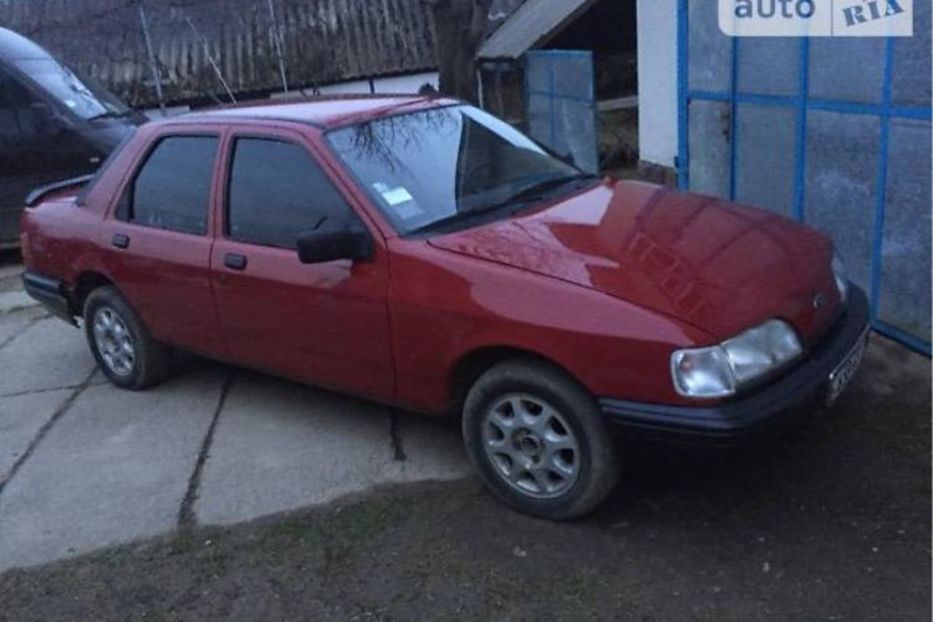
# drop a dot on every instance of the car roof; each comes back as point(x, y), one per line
point(14, 46)
point(323, 112)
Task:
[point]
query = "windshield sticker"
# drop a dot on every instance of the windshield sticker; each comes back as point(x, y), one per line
point(397, 196)
point(400, 200)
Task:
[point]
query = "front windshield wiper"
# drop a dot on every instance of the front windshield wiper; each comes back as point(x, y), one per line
point(536, 190)
point(110, 114)
point(518, 200)
point(460, 216)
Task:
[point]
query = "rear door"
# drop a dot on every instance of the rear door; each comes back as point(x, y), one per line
point(326, 324)
point(159, 236)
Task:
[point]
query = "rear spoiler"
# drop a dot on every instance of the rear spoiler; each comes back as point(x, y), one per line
point(43, 191)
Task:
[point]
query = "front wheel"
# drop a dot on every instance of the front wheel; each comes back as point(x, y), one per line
point(538, 440)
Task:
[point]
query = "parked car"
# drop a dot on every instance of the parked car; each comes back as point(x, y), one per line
point(53, 124)
point(424, 254)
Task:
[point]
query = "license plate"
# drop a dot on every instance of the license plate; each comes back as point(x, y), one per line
point(842, 376)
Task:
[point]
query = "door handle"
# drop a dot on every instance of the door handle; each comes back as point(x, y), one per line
point(235, 261)
point(120, 240)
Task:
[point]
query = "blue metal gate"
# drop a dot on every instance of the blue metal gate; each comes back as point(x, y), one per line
point(834, 132)
point(561, 103)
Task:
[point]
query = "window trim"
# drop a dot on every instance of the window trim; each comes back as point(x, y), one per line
point(129, 183)
point(332, 152)
point(230, 156)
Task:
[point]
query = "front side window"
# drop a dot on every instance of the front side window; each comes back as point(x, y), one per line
point(446, 165)
point(278, 192)
point(172, 189)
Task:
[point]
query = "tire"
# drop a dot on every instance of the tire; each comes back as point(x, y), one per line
point(109, 324)
point(538, 440)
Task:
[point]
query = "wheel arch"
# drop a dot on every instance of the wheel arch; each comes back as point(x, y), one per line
point(85, 283)
point(473, 364)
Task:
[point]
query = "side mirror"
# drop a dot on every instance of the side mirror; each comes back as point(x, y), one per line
point(47, 120)
point(321, 247)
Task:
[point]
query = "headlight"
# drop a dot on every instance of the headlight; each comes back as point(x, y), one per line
point(842, 278)
point(718, 371)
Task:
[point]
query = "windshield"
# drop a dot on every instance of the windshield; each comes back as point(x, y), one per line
point(445, 165)
point(83, 96)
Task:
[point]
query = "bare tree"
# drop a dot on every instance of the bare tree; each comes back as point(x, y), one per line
point(460, 27)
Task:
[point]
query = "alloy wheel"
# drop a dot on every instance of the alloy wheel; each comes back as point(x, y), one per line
point(114, 341)
point(531, 446)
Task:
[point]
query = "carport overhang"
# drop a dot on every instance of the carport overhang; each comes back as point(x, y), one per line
point(531, 26)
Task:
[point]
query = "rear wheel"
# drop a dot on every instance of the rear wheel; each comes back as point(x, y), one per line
point(123, 348)
point(538, 440)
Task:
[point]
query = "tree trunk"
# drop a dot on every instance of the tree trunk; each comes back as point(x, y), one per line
point(460, 27)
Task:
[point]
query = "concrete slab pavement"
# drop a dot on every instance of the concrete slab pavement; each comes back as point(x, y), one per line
point(22, 418)
point(114, 468)
point(280, 446)
point(13, 323)
point(15, 300)
point(84, 465)
point(48, 354)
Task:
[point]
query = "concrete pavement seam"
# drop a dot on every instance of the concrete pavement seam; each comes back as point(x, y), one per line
point(66, 387)
point(59, 412)
point(395, 438)
point(187, 518)
point(28, 325)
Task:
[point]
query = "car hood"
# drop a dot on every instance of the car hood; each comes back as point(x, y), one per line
point(721, 267)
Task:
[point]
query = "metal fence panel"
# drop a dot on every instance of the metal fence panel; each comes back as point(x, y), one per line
point(834, 132)
point(847, 70)
point(912, 76)
point(905, 285)
point(710, 146)
point(842, 185)
point(757, 71)
point(774, 127)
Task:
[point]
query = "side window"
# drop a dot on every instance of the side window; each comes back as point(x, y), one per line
point(172, 189)
point(277, 192)
point(17, 118)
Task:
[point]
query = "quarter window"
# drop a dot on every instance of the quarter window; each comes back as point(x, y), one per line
point(278, 192)
point(172, 189)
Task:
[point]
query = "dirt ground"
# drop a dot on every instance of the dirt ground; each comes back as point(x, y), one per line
point(834, 525)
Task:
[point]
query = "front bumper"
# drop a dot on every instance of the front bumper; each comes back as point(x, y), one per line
point(776, 406)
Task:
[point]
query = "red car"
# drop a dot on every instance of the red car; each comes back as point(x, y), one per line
point(424, 254)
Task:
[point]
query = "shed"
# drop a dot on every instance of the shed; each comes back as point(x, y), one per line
point(604, 28)
point(204, 48)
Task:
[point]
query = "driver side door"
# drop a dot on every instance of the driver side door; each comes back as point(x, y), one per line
point(326, 324)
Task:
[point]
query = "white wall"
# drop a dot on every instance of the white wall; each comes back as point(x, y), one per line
point(657, 80)
point(406, 84)
point(410, 83)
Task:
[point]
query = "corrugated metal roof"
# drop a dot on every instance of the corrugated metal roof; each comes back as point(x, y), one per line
point(531, 25)
point(323, 40)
